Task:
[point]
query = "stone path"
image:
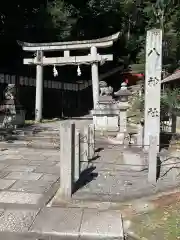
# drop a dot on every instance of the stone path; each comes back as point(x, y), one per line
point(111, 180)
point(28, 175)
point(60, 223)
point(29, 178)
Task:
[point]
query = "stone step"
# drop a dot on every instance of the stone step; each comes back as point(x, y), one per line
point(61, 223)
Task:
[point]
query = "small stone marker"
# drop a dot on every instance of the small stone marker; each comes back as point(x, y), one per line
point(77, 155)
point(152, 157)
point(67, 131)
point(91, 141)
point(84, 145)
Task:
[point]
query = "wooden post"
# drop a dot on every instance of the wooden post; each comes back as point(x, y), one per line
point(95, 77)
point(67, 136)
point(152, 159)
point(39, 87)
point(152, 85)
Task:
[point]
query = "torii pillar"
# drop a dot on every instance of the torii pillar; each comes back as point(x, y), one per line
point(95, 77)
point(39, 87)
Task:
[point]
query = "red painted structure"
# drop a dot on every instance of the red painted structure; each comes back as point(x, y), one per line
point(132, 78)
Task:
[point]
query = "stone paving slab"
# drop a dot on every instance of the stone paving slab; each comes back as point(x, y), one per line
point(79, 223)
point(3, 166)
point(134, 191)
point(101, 224)
point(48, 169)
point(20, 198)
point(45, 163)
point(15, 161)
point(49, 177)
point(49, 154)
point(27, 236)
point(31, 186)
point(29, 145)
point(59, 221)
point(28, 176)
point(13, 156)
point(5, 183)
point(10, 236)
point(34, 157)
point(3, 174)
point(24, 176)
point(21, 168)
point(17, 220)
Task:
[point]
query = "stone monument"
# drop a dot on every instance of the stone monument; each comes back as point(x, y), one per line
point(152, 86)
point(106, 113)
point(11, 112)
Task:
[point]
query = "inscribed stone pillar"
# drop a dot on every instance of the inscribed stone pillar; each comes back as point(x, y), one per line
point(39, 87)
point(67, 131)
point(95, 77)
point(152, 85)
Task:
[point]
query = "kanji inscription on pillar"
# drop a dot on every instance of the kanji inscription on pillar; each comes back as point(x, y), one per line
point(153, 81)
point(153, 112)
point(152, 84)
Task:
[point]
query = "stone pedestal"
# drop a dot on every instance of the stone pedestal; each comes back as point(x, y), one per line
point(106, 115)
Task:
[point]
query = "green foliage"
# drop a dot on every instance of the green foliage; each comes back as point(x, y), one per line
point(38, 21)
point(170, 100)
point(62, 17)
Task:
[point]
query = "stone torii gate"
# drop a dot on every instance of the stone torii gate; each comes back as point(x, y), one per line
point(41, 60)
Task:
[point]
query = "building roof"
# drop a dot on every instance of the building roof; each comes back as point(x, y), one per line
point(71, 45)
point(172, 77)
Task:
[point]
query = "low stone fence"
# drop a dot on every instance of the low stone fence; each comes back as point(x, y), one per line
point(77, 148)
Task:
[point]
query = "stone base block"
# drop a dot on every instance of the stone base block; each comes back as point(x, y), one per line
point(106, 123)
point(106, 116)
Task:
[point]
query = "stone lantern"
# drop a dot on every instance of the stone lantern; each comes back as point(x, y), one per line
point(122, 96)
